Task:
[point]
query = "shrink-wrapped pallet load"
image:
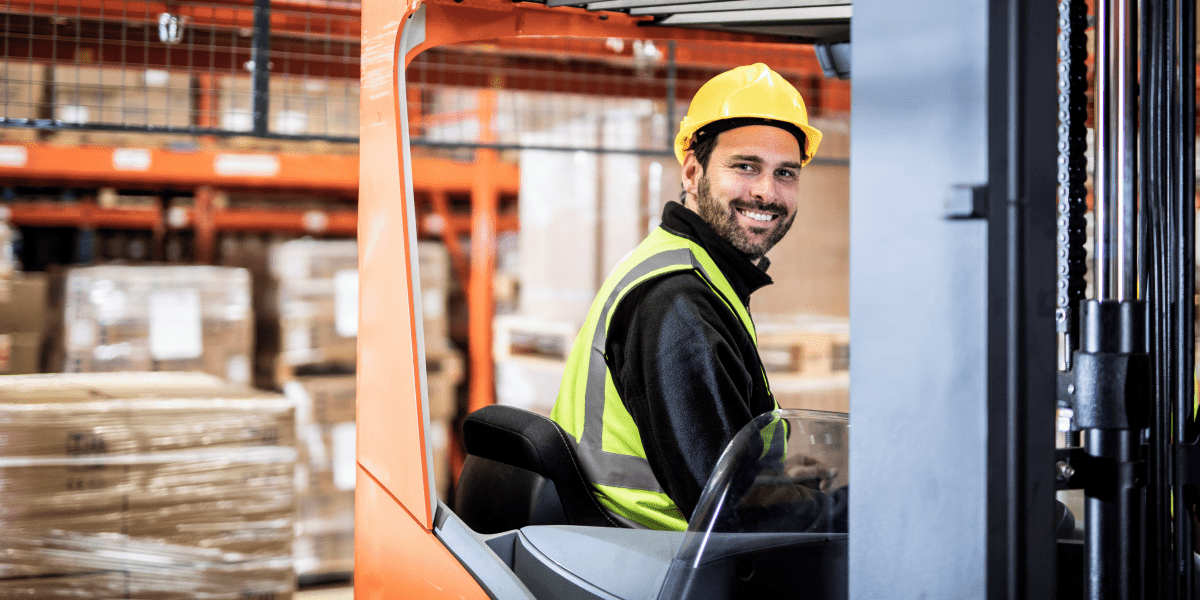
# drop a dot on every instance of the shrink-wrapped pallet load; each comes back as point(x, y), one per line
point(158, 318)
point(136, 485)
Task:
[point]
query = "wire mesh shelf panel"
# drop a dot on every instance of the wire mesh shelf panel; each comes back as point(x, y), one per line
point(181, 66)
point(596, 95)
point(190, 66)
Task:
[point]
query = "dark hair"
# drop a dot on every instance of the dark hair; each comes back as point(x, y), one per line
point(703, 148)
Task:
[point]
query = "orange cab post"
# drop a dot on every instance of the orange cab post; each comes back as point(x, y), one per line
point(396, 553)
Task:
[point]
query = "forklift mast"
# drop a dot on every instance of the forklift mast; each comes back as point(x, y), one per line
point(972, 323)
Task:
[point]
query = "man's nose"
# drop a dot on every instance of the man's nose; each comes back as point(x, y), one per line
point(761, 188)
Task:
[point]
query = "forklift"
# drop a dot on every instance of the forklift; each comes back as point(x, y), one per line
point(974, 336)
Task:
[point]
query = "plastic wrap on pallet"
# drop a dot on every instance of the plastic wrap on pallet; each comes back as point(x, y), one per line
point(178, 318)
point(116, 489)
point(115, 566)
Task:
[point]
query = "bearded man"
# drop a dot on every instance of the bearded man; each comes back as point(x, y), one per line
point(666, 369)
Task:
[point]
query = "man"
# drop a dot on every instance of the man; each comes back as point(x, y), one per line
point(666, 370)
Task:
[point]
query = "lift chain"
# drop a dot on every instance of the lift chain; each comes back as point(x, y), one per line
point(1072, 163)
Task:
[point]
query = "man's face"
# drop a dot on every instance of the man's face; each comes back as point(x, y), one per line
point(750, 189)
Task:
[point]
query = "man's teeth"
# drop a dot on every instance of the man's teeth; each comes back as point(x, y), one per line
point(757, 216)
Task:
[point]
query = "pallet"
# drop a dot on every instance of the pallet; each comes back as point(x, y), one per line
point(531, 338)
point(804, 347)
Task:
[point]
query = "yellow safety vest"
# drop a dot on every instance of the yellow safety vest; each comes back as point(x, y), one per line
point(605, 437)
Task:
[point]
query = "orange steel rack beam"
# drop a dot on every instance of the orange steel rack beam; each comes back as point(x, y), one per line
point(204, 172)
point(163, 168)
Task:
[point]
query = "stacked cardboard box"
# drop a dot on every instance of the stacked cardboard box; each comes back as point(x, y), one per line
point(312, 298)
point(142, 485)
point(598, 207)
point(595, 206)
point(807, 359)
point(531, 356)
point(311, 308)
point(325, 473)
point(24, 321)
point(106, 95)
point(298, 105)
point(182, 318)
point(22, 89)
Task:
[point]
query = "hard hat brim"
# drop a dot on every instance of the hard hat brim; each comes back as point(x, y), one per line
point(688, 132)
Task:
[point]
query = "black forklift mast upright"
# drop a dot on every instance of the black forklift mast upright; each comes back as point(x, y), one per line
point(1126, 356)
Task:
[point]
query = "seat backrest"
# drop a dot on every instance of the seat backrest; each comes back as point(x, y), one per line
point(521, 470)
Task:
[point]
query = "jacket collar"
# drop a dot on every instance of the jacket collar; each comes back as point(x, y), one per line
point(745, 276)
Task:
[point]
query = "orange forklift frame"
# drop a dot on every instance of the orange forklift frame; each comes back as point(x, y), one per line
point(396, 553)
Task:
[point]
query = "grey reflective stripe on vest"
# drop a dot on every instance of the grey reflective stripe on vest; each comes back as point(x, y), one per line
point(617, 470)
point(608, 468)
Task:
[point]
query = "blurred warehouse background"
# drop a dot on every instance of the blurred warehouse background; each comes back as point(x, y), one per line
point(177, 197)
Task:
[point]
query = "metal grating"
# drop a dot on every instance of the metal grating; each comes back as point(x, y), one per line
point(190, 67)
point(182, 66)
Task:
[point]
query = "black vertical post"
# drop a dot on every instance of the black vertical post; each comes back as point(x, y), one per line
point(1153, 181)
point(261, 59)
point(1021, 551)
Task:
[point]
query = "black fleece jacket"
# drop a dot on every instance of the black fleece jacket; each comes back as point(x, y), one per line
point(684, 364)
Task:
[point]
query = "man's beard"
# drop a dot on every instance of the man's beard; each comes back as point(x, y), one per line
point(724, 220)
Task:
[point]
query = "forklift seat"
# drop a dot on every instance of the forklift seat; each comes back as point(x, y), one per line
point(521, 470)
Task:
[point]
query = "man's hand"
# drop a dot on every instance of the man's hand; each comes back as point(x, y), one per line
point(810, 472)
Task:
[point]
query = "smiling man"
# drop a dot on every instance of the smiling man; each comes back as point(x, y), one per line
point(665, 370)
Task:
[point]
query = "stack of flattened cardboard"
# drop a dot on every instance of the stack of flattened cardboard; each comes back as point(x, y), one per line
point(136, 485)
point(23, 323)
point(178, 318)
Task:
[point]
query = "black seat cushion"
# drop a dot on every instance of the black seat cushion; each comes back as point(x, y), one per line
point(529, 441)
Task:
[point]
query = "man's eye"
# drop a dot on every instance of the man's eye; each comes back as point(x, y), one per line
point(785, 173)
point(744, 167)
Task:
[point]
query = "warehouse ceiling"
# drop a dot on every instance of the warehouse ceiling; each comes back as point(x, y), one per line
point(811, 20)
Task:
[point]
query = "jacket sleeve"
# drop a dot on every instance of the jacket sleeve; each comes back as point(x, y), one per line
point(676, 355)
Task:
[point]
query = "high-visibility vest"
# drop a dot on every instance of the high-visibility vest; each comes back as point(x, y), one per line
point(605, 437)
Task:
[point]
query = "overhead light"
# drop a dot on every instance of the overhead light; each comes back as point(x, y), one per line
point(170, 28)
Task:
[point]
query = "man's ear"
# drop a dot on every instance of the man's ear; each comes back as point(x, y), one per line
point(690, 175)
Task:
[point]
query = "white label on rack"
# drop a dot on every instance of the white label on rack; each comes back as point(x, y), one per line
point(131, 159)
point(175, 330)
point(109, 301)
point(345, 302)
point(237, 369)
point(315, 221)
point(246, 165)
point(157, 78)
point(433, 304)
point(81, 333)
point(13, 156)
point(291, 122)
point(343, 439)
point(298, 339)
point(177, 217)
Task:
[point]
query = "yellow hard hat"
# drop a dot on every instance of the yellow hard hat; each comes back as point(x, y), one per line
point(745, 96)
